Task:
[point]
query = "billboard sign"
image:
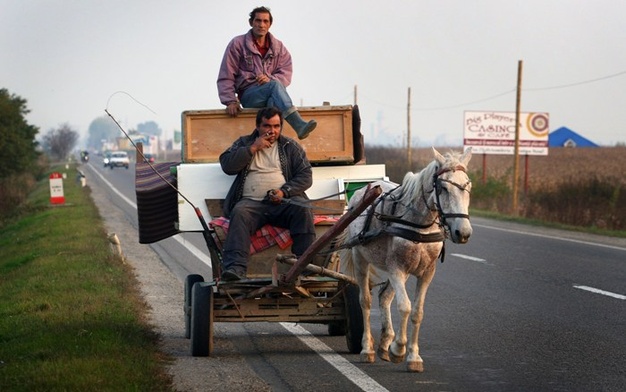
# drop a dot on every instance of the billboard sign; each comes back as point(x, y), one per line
point(494, 133)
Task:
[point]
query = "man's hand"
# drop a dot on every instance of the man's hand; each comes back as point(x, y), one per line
point(262, 79)
point(260, 143)
point(233, 109)
point(275, 196)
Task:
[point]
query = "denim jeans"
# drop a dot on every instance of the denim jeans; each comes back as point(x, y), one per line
point(250, 215)
point(270, 94)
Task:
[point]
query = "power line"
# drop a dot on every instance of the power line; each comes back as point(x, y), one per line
point(466, 103)
point(428, 109)
point(577, 83)
point(437, 108)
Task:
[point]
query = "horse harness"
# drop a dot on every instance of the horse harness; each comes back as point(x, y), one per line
point(411, 234)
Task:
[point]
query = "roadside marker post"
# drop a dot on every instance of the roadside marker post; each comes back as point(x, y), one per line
point(56, 188)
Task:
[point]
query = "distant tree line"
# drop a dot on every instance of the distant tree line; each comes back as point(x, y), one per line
point(24, 160)
point(18, 147)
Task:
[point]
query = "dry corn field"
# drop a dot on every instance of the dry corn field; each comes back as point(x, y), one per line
point(576, 186)
point(559, 166)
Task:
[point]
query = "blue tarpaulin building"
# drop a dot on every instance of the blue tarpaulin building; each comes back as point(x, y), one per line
point(565, 137)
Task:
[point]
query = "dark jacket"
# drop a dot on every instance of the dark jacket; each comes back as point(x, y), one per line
point(293, 161)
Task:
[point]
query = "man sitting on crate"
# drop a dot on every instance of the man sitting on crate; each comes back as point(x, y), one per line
point(257, 68)
point(272, 170)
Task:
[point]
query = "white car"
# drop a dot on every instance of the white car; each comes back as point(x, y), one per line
point(119, 159)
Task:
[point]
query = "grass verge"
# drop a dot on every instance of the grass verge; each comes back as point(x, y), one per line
point(543, 223)
point(71, 316)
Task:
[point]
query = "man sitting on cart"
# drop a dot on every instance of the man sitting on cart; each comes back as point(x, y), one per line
point(272, 170)
point(257, 69)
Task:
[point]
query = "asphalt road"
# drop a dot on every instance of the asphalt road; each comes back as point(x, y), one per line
point(518, 308)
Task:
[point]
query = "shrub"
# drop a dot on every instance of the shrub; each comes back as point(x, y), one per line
point(494, 195)
point(14, 189)
point(591, 202)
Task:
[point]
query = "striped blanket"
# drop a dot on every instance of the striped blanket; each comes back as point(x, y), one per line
point(267, 236)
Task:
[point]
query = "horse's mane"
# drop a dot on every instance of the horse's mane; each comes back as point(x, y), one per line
point(413, 183)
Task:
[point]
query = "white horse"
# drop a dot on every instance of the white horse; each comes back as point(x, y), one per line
point(401, 234)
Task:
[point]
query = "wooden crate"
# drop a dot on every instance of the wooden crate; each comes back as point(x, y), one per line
point(208, 133)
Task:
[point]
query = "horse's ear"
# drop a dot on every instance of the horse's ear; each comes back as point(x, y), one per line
point(440, 158)
point(467, 155)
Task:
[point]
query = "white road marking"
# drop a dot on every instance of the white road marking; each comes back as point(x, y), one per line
point(471, 258)
point(598, 291)
point(551, 237)
point(352, 372)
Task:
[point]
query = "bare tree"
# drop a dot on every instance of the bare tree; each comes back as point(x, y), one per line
point(58, 143)
point(102, 130)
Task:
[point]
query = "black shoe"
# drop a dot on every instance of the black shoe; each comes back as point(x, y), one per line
point(230, 275)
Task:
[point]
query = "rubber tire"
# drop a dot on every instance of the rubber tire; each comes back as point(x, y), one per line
point(190, 280)
point(354, 319)
point(337, 328)
point(201, 320)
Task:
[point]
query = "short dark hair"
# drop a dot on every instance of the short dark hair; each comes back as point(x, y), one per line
point(263, 10)
point(267, 113)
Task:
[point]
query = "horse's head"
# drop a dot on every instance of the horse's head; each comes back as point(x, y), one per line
point(452, 188)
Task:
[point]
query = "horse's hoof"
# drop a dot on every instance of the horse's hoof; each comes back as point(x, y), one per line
point(368, 357)
point(383, 354)
point(396, 358)
point(416, 367)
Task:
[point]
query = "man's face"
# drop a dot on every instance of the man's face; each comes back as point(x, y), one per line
point(261, 24)
point(270, 128)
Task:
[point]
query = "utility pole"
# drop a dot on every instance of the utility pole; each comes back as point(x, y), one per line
point(518, 105)
point(408, 130)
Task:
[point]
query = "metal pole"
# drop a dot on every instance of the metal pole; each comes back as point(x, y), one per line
point(518, 105)
point(526, 166)
point(484, 168)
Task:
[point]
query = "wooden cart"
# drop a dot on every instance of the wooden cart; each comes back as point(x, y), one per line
point(325, 297)
point(275, 288)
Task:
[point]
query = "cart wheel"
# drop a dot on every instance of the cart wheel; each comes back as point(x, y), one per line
point(201, 320)
point(337, 328)
point(189, 282)
point(354, 319)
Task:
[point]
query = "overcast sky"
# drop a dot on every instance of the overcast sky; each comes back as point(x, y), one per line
point(68, 58)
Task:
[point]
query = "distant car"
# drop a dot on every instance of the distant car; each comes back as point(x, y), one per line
point(149, 158)
point(119, 159)
point(107, 158)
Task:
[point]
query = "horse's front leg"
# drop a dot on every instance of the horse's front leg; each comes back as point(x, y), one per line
point(397, 349)
point(367, 343)
point(414, 362)
point(385, 297)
